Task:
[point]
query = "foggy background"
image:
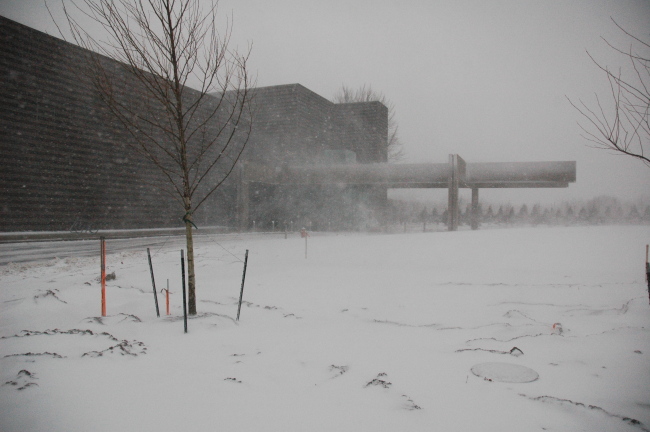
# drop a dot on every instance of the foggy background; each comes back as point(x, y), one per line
point(486, 80)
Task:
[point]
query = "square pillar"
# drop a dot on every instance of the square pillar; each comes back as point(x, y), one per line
point(475, 210)
point(452, 201)
point(457, 179)
point(243, 199)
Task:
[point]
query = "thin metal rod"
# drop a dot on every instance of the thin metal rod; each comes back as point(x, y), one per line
point(647, 270)
point(243, 279)
point(184, 297)
point(153, 283)
point(102, 246)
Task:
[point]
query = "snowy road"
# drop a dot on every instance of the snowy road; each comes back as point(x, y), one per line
point(37, 251)
point(21, 252)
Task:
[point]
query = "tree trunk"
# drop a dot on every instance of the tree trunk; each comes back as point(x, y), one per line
point(191, 280)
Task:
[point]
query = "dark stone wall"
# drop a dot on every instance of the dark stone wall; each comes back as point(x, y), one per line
point(294, 125)
point(273, 136)
point(364, 130)
point(65, 158)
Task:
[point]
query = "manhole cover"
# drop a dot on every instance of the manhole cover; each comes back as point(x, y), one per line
point(505, 372)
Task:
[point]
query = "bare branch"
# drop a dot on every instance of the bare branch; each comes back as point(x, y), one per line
point(623, 127)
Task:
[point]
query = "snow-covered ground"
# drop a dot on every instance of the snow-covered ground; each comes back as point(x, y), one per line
point(369, 333)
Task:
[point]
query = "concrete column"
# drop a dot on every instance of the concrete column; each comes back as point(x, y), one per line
point(452, 202)
point(475, 215)
point(243, 201)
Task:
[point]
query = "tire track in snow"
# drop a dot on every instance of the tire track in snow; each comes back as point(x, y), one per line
point(553, 399)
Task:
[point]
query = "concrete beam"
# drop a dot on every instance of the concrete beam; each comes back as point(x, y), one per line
point(434, 175)
point(503, 173)
point(517, 184)
point(367, 174)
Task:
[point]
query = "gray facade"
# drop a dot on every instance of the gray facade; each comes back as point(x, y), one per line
point(66, 159)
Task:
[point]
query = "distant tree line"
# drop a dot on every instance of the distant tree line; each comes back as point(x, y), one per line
point(597, 211)
point(417, 216)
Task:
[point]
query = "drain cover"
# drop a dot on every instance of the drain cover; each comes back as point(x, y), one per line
point(505, 372)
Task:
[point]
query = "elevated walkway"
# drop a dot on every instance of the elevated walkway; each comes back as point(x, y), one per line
point(453, 175)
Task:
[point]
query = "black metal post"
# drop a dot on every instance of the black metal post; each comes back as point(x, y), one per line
point(102, 242)
point(153, 283)
point(647, 277)
point(184, 298)
point(243, 279)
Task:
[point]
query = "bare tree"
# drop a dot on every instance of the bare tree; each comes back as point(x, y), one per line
point(193, 136)
point(623, 125)
point(365, 93)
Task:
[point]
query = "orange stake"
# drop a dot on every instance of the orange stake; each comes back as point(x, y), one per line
point(103, 277)
point(167, 296)
point(304, 234)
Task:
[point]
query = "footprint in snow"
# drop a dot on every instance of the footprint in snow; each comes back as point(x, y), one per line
point(382, 381)
point(24, 379)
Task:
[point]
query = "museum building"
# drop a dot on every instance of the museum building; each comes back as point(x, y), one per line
point(65, 158)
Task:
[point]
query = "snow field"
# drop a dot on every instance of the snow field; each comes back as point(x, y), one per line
point(371, 332)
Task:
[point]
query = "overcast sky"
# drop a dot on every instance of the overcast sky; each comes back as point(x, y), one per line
point(485, 79)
